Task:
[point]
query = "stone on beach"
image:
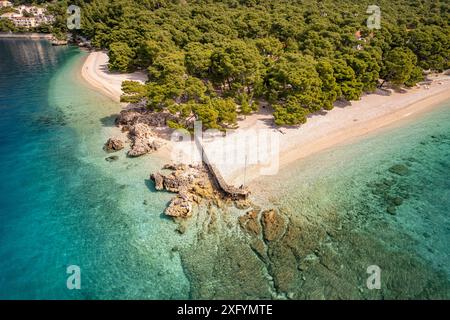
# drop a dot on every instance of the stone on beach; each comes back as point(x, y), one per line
point(143, 140)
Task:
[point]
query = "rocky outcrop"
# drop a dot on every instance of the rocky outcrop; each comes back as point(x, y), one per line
point(142, 115)
point(113, 144)
point(180, 206)
point(141, 131)
point(127, 117)
point(158, 179)
point(192, 183)
point(143, 140)
point(141, 147)
point(273, 225)
point(250, 222)
point(138, 122)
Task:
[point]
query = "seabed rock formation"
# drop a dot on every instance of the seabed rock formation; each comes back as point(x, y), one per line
point(279, 254)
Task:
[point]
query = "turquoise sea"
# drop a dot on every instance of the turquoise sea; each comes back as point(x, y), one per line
point(62, 204)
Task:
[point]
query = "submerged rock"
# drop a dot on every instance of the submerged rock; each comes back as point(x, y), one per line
point(273, 225)
point(113, 144)
point(112, 158)
point(391, 210)
point(397, 201)
point(243, 204)
point(399, 169)
point(249, 222)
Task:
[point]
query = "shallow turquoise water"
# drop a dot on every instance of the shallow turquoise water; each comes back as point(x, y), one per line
point(350, 179)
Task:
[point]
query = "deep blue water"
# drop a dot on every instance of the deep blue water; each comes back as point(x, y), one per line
point(30, 139)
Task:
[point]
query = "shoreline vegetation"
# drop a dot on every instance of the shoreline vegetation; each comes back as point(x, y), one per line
point(322, 131)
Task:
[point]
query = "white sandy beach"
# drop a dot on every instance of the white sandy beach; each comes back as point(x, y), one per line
point(341, 125)
point(95, 72)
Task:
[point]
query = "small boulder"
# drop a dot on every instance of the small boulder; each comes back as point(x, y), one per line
point(179, 207)
point(158, 179)
point(113, 144)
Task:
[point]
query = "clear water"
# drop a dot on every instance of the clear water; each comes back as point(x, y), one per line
point(61, 203)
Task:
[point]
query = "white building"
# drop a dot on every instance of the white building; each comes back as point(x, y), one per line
point(25, 22)
point(20, 17)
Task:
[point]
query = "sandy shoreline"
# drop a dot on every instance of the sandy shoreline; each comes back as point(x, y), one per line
point(344, 125)
point(95, 72)
point(323, 130)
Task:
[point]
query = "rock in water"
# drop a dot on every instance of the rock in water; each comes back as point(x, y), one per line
point(273, 225)
point(113, 144)
point(399, 169)
point(391, 210)
point(158, 179)
point(180, 206)
point(139, 148)
point(112, 158)
point(192, 184)
point(249, 222)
